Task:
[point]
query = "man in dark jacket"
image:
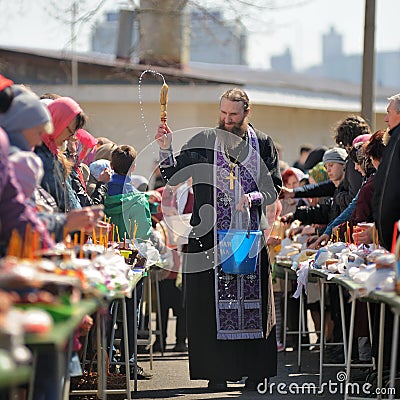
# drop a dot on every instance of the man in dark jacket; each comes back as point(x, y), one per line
point(386, 207)
point(386, 200)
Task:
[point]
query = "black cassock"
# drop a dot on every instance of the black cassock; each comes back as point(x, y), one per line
point(209, 358)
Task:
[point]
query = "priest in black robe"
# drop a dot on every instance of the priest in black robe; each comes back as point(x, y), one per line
point(230, 313)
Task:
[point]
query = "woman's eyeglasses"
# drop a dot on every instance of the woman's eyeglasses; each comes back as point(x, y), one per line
point(72, 133)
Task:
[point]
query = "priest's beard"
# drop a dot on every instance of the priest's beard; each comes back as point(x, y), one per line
point(232, 137)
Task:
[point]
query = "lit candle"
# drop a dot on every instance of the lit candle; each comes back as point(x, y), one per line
point(82, 239)
point(109, 232)
point(15, 244)
point(394, 237)
point(65, 233)
point(35, 243)
point(348, 232)
point(94, 239)
point(135, 227)
point(27, 241)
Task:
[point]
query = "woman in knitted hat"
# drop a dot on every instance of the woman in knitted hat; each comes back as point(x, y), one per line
point(27, 121)
point(67, 117)
point(24, 122)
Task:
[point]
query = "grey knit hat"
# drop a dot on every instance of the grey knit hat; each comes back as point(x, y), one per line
point(26, 111)
point(336, 154)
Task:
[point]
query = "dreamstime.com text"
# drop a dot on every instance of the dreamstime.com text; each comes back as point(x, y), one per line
point(340, 386)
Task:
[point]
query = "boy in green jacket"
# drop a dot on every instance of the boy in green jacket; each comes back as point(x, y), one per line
point(129, 210)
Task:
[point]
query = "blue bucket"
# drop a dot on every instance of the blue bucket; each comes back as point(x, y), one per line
point(239, 250)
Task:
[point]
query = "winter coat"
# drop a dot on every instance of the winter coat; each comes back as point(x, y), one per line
point(126, 209)
point(97, 196)
point(15, 213)
point(386, 199)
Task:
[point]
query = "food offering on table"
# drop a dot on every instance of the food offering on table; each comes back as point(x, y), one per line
point(39, 292)
point(382, 277)
point(371, 266)
point(81, 265)
point(109, 273)
point(40, 287)
point(322, 255)
point(289, 248)
point(12, 330)
point(139, 254)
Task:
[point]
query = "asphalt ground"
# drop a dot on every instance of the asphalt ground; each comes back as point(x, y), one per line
point(171, 378)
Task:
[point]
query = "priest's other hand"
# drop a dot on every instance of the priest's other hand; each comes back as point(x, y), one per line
point(244, 202)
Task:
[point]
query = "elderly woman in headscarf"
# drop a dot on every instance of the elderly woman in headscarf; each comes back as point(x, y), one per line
point(291, 179)
point(67, 117)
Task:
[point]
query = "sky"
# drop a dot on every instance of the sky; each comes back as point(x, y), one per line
point(273, 27)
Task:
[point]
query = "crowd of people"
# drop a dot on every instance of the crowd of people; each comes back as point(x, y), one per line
point(349, 203)
point(61, 180)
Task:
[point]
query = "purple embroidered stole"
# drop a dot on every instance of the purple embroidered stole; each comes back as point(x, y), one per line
point(237, 297)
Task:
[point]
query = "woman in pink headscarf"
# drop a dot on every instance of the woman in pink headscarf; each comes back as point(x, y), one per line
point(68, 117)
